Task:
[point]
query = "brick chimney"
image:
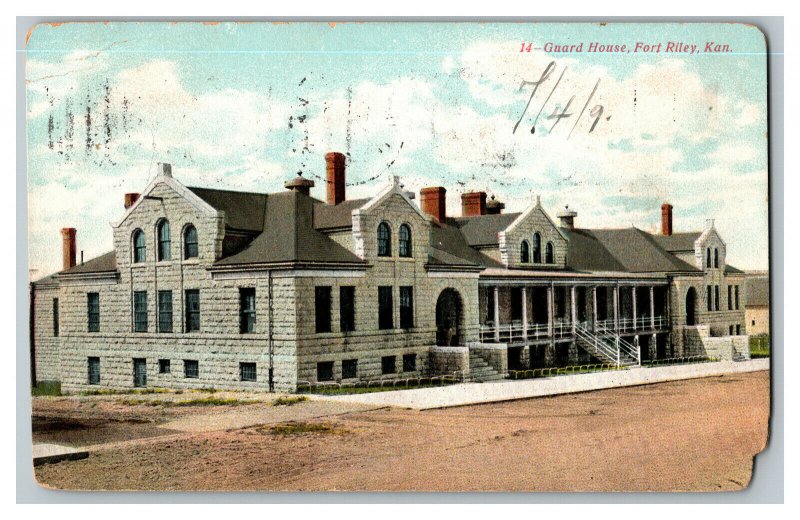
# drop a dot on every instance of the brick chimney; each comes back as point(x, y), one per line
point(130, 199)
point(473, 204)
point(433, 202)
point(666, 219)
point(69, 247)
point(494, 207)
point(567, 217)
point(335, 175)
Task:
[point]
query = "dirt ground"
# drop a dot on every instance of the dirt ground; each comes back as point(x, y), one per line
point(698, 435)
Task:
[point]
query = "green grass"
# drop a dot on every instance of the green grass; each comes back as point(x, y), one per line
point(335, 390)
point(135, 391)
point(205, 401)
point(759, 346)
point(46, 388)
point(300, 428)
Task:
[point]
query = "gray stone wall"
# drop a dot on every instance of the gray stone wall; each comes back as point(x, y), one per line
point(534, 220)
point(46, 355)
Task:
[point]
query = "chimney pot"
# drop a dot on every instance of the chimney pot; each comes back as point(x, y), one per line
point(494, 207)
point(335, 175)
point(433, 201)
point(666, 219)
point(473, 204)
point(300, 184)
point(68, 247)
point(130, 199)
point(165, 169)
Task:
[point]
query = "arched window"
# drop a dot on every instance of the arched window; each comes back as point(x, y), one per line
point(405, 241)
point(548, 254)
point(716, 257)
point(537, 248)
point(139, 246)
point(708, 258)
point(164, 242)
point(524, 252)
point(190, 242)
point(384, 240)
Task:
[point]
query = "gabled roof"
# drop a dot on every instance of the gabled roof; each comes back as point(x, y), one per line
point(757, 288)
point(243, 211)
point(482, 230)
point(105, 263)
point(677, 241)
point(288, 236)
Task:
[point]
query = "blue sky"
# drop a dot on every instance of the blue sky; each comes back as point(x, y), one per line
point(247, 106)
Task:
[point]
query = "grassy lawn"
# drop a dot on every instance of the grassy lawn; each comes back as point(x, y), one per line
point(335, 390)
point(759, 346)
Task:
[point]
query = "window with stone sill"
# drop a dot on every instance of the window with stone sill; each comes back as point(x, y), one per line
point(404, 234)
point(164, 241)
point(190, 242)
point(384, 240)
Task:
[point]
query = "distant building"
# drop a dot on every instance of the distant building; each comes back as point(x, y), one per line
point(757, 305)
point(216, 288)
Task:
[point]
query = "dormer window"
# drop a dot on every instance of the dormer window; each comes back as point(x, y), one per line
point(548, 254)
point(524, 252)
point(537, 248)
point(716, 258)
point(164, 242)
point(384, 240)
point(190, 242)
point(139, 247)
point(405, 241)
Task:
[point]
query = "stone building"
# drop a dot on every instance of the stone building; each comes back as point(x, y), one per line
point(226, 289)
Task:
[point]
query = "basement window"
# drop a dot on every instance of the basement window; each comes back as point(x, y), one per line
point(409, 362)
point(163, 366)
point(191, 368)
point(247, 371)
point(325, 371)
point(388, 365)
point(349, 368)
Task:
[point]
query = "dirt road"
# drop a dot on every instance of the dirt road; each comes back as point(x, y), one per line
point(689, 435)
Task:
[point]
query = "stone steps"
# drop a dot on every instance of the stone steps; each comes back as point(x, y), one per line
point(480, 370)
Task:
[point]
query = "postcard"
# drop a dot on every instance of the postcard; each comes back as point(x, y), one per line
point(398, 256)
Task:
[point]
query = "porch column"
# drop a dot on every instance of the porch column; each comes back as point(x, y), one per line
point(549, 310)
point(652, 307)
point(496, 314)
point(524, 313)
point(574, 306)
point(616, 307)
point(633, 297)
point(594, 309)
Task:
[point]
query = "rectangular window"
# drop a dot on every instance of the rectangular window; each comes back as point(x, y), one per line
point(94, 370)
point(349, 368)
point(388, 365)
point(406, 307)
point(163, 366)
point(164, 311)
point(55, 317)
point(325, 371)
point(409, 362)
point(716, 297)
point(140, 311)
point(730, 299)
point(736, 292)
point(93, 311)
point(490, 305)
point(192, 310)
point(191, 368)
point(730, 330)
point(738, 329)
point(347, 309)
point(247, 371)
point(247, 310)
point(385, 308)
point(139, 372)
point(322, 308)
point(709, 298)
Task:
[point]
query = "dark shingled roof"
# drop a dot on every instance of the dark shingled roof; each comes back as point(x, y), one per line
point(448, 247)
point(677, 241)
point(631, 250)
point(288, 236)
point(327, 216)
point(757, 288)
point(482, 230)
point(101, 264)
point(243, 210)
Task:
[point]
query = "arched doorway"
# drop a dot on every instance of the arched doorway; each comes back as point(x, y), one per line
point(448, 318)
point(691, 304)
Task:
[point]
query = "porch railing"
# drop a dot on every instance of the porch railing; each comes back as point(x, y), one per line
point(515, 332)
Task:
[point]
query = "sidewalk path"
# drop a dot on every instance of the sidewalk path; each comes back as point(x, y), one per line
point(476, 393)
